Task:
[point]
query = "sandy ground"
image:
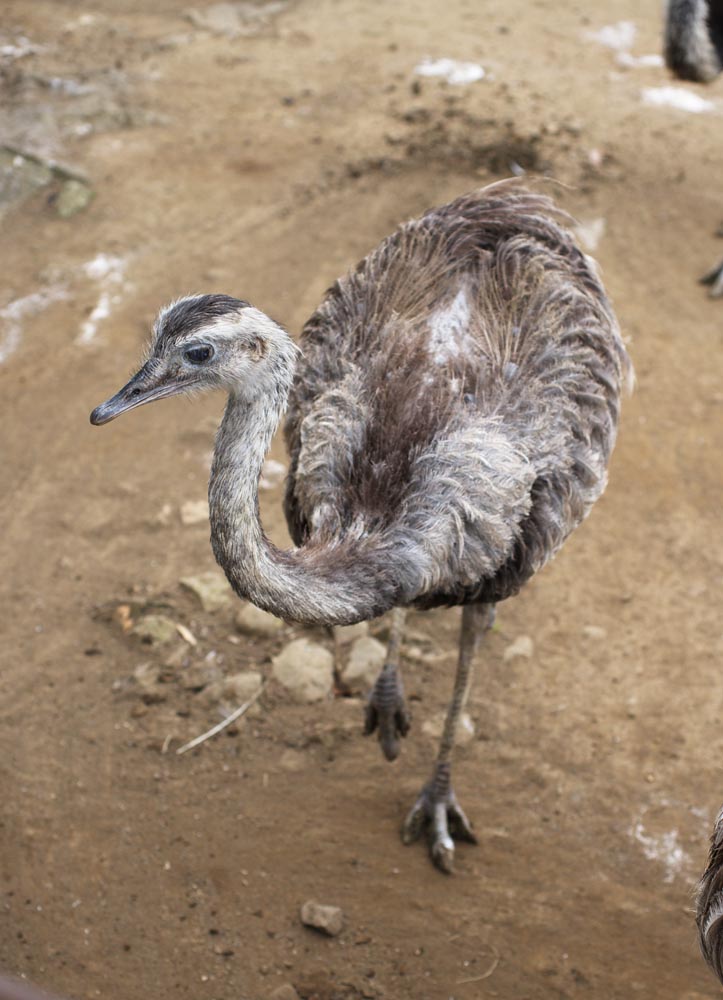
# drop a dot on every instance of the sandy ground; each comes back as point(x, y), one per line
point(264, 165)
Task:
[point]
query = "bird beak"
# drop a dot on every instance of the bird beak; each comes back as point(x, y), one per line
point(146, 385)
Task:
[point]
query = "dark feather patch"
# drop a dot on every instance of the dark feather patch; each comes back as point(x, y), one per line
point(184, 318)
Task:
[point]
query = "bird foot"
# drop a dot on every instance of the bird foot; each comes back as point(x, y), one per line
point(714, 279)
point(387, 712)
point(438, 811)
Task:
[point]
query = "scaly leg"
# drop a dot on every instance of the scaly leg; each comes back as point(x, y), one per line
point(386, 709)
point(436, 808)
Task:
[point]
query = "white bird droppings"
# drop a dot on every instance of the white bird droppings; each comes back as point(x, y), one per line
point(629, 61)
point(104, 266)
point(619, 36)
point(109, 271)
point(664, 848)
point(13, 314)
point(453, 71)
point(100, 312)
point(678, 98)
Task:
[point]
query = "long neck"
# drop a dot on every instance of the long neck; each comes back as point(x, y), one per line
point(337, 582)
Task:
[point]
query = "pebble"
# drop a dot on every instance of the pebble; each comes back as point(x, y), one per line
point(146, 675)
point(194, 512)
point(328, 919)
point(210, 588)
point(74, 196)
point(235, 19)
point(465, 728)
point(236, 690)
point(243, 685)
point(523, 646)
point(292, 760)
point(305, 669)
point(284, 992)
point(155, 629)
point(594, 632)
point(254, 621)
point(345, 634)
point(366, 659)
point(199, 675)
point(178, 657)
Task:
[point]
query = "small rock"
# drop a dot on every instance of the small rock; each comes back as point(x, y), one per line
point(254, 621)
point(595, 158)
point(305, 669)
point(210, 588)
point(366, 659)
point(230, 692)
point(465, 728)
point(178, 657)
point(328, 919)
point(155, 629)
point(20, 176)
point(73, 198)
point(346, 634)
point(194, 512)
point(594, 632)
point(235, 19)
point(243, 685)
point(199, 675)
point(146, 675)
point(292, 760)
point(122, 615)
point(523, 646)
point(212, 694)
point(284, 992)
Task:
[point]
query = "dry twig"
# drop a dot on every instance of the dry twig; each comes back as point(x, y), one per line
point(221, 725)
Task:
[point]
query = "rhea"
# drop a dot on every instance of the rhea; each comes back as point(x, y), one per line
point(450, 414)
point(694, 51)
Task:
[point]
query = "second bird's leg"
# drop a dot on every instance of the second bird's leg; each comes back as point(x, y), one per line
point(386, 709)
point(436, 808)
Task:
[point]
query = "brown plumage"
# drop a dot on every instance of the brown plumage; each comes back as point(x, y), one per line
point(449, 423)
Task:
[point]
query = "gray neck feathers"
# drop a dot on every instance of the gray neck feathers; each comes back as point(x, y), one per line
point(335, 582)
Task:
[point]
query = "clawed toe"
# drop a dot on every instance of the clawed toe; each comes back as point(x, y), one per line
point(444, 820)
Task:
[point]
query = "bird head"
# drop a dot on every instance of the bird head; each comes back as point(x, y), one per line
point(204, 342)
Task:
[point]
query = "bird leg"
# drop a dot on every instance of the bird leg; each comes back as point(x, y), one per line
point(386, 709)
point(436, 808)
point(714, 279)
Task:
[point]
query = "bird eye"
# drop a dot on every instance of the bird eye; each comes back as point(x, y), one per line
point(198, 355)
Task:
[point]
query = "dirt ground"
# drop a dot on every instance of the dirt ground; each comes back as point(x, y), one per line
point(263, 162)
